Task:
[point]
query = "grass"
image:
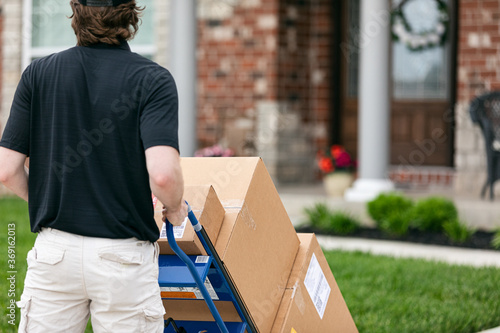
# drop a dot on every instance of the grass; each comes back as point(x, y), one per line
point(13, 219)
point(408, 295)
point(383, 294)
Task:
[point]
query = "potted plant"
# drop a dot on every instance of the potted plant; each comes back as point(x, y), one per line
point(337, 167)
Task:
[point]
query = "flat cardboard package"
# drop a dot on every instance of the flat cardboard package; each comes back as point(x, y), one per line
point(207, 209)
point(197, 310)
point(312, 301)
point(257, 241)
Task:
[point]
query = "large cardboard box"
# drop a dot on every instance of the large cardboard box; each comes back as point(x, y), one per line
point(207, 209)
point(312, 301)
point(257, 242)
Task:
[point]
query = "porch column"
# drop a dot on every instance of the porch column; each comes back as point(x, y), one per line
point(374, 102)
point(183, 66)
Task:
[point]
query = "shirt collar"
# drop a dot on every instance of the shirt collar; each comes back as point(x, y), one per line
point(123, 46)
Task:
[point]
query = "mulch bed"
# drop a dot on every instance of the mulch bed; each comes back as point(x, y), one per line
point(479, 240)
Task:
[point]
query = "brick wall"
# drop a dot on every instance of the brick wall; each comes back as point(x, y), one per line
point(264, 80)
point(478, 72)
point(305, 61)
point(237, 50)
point(1, 57)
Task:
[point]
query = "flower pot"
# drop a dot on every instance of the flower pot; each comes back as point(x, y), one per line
point(337, 182)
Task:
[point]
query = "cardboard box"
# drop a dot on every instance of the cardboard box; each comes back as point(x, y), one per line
point(312, 301)
point(207, 209)
point(197, 310)
point(257, 241)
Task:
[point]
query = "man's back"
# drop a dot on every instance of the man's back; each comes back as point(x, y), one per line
point(99, 124)
point(92, 112)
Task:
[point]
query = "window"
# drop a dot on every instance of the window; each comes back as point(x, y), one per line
point(47, 29)
point(353, 36)
point(422, 74)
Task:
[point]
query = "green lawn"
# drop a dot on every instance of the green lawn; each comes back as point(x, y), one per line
point(384, 294)
point(407, 295)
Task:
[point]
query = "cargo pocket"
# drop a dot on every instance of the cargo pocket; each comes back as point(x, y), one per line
point(48, 255)
point(24, 305)
point(153, 317)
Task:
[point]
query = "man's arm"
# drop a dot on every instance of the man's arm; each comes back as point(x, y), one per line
point(13, 173)
point(167, 184)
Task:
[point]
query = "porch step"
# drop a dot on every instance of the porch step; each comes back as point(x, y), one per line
point(420, 178)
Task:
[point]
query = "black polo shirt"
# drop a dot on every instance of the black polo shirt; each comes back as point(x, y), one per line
point(84, 116)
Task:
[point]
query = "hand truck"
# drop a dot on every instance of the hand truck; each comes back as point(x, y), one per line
point(183, 272)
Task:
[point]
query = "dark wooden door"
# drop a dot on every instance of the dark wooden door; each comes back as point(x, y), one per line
point(421, 90)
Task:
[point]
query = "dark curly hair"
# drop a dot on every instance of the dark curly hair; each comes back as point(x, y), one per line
point(110, 25)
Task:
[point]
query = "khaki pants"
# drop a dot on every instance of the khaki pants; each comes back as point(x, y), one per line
point(71, 277)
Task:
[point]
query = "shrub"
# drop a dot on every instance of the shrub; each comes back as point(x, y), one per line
point(392, 206)
point(495, 242)
point(457, 231)
point(318, 215)
point(342, 223)
point(321, 217)
point(432, 213)
point(396, 223)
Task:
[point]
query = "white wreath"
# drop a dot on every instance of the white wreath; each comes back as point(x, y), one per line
point(402, 31)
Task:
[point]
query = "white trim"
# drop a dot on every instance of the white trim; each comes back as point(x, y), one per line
point(26, 33)
point(364, 190)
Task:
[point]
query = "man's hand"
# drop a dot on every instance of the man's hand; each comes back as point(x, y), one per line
point(175, 217)
point(167, 184)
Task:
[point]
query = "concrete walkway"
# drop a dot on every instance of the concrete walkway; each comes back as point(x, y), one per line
point(451, 255)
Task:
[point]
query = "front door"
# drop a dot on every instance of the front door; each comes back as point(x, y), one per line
point(421, 87)
point(421, 117)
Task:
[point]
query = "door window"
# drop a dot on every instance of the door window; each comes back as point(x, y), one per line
point(420, 74)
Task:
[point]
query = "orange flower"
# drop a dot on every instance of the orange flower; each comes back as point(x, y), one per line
point(336, 150)
point(326, 165)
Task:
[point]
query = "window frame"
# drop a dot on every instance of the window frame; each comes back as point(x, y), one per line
point(29, 52)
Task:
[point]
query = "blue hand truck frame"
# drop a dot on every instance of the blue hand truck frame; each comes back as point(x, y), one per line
point(173, 273)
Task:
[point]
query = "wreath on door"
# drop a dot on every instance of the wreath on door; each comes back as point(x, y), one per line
point(403, 32)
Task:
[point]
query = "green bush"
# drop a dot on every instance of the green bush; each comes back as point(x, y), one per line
point(495, 242)
point(318, 215)
point(390, 212)
point(432, 213)
point(396, 223)
point(342, 223)
point(323, 218)
point(457, 231)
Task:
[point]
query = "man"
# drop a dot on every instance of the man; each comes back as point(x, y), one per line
point(99, 124)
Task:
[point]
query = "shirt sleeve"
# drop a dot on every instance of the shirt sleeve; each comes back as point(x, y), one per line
point(159, 117)
point(16, 135)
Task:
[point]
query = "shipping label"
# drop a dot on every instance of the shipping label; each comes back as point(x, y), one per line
point(317, 286)
point(178, 230)
point(189, 292)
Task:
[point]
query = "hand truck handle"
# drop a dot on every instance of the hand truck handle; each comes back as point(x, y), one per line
point(201, 286)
